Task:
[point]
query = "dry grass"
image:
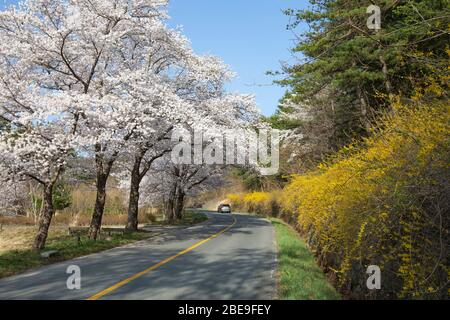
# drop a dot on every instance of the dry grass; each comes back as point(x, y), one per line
point(80, 220)
point(83, 220)
point(83, 201)
point(22, 221)
point(80, 211)
point(20, 237)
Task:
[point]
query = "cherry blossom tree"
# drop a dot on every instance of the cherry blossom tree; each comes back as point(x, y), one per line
point(37, 102)
point(137, 110)
point(101, 78)
point(58, 71)
point(13, 194)
point(169, 184)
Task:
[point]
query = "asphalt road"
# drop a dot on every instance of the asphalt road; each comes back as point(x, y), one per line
point(238, 262)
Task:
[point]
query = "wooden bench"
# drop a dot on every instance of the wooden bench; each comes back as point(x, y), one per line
point(77, 230)
point(111, 231)
point(49, 254)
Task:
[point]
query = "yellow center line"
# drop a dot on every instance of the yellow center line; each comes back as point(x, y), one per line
point(159, 264)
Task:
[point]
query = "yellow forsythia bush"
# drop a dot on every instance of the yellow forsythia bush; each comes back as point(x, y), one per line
point(257, 202)
point(382, 202)
point(236, 200)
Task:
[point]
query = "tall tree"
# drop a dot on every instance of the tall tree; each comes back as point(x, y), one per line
point(39, 90)
point(354, 71)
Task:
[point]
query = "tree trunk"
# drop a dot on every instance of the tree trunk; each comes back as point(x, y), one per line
point(133, 205)
point(385, 71)
point(137, 174)
point(169, 216)
point(364, 109)
point(45, 218)
point(363, 105)
point(387, 82)
point(100, 200)
point(170, 207)
point(179, 204)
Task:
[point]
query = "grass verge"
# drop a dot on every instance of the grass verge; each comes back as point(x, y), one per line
point(300, 278)
point(190, 217)
point(17, 261)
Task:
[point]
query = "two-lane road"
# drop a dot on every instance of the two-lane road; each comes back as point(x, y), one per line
point(226, 257)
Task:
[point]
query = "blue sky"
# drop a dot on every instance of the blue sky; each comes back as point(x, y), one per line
point(249, 35)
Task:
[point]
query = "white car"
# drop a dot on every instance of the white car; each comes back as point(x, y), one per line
point(224, 208)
